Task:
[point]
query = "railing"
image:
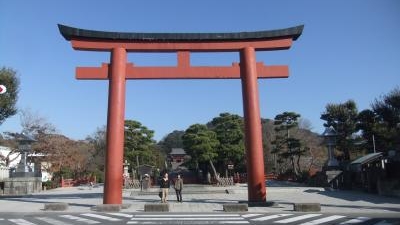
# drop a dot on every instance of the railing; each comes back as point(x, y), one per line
point(225, 181)
point(131, 183)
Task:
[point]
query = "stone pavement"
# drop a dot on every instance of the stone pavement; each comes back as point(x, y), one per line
point(199, 198)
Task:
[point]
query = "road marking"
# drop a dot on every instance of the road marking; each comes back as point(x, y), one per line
point(297, 218)
point(250, 215)
point(187, 215)
point(188, 222)
point(323, 220)
point(146, 222)
point(264, 218)
point(233, 222)
point(121, 215)
point(185, 218)
point(356, 220)
point(52, 221)
point(21, 222)
point(101, 217)
point(79, 219)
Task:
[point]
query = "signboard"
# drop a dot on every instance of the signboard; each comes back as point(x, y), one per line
point(3, 89)
point(230, 166)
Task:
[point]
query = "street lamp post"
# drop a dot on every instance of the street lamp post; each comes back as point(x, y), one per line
point(330, 139)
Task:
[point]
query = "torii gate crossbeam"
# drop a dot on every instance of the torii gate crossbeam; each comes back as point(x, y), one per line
point(119, 70)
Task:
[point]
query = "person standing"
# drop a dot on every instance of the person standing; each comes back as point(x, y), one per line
point(164, 185)
point(178, 188)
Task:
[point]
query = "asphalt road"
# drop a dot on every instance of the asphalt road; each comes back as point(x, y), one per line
point(47, 218)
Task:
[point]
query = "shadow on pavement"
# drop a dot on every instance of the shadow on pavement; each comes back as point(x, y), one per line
point(356, 196)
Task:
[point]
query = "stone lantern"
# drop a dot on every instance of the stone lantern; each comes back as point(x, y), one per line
point(23, 181)
point(330, 140)
point(24, 143)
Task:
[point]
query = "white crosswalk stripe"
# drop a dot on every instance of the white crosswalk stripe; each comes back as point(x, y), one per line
point(189, 222)
point(53, 221)
point(80, 219)
point(323, 220)
point(250, 215)
point(188, 218)
point(356, 220)
point(21, 222)
point(219, 218)
point(101, 217)
point(264, 218)
point(233, 222)
point(121, 215)
point(185, 218)
point(297, 218)
point(188, 215)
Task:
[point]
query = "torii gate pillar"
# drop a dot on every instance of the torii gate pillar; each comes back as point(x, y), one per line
point(246, 43)
point(252, 120)
point(115, 128)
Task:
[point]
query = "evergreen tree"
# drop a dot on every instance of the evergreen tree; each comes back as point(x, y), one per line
point(382, 124)
point(201, 144)
point(229, 131)
point(8, 100)
point(343, 118)
point(286, 146)
point(139, 144)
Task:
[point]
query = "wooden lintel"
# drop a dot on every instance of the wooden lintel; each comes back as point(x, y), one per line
point(182, 72)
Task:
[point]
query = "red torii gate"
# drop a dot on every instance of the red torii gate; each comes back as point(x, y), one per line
point(118, 71)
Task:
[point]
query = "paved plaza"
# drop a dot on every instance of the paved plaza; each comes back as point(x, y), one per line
point(200, 199)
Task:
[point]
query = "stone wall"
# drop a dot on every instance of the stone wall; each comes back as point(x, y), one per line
point(22, 185)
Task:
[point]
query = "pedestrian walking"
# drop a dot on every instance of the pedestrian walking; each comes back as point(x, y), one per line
point(164, 185)
point(178, 188)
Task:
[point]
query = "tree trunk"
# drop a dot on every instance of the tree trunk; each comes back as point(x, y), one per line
point(298, 165)
point(293, 165)
point(213, 168)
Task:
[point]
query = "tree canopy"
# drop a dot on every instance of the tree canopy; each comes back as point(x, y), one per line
point(381, 124)
point(171, 140)
point(8, 100)
point(343, 118)
point(286, 146)
point(139, 145)
point(201, 144)
point(229, 131)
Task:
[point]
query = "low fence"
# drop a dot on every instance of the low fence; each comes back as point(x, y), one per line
point(225, 181)
point(76, 182)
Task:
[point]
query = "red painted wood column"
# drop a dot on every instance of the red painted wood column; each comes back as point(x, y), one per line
point(253, 135)
point(115, 128)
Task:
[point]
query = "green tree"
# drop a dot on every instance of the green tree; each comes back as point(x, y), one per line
point(139, 144)
point(229, 131)
point(8, 100)
point(285, 146)
point(201, 144)
point(343, 118)
point(172, 140)
point(382, 123)
point(368, 124)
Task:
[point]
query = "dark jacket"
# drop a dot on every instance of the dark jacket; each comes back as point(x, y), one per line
point(164, 183)
point(178, 184)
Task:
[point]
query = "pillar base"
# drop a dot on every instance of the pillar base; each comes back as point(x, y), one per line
point(261, 204)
